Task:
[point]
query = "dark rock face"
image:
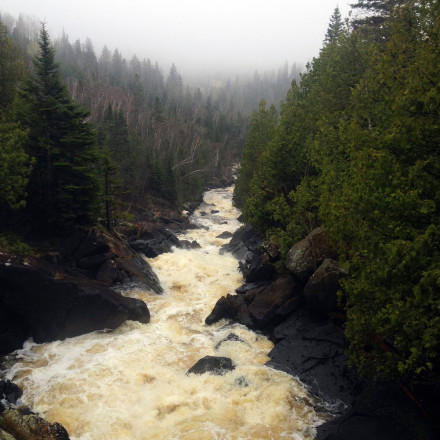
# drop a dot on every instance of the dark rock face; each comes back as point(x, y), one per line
point(305, 256)
point(22, 425)
point(320, 292)
point(261, 307)
point(313, 350)
point(9, 391)
point(156, 242)
point(381, 411)
point(186, 244)
point(225, 235)
point(212, 364)
point(56, 306)
point(244, 240)
point(103, 255)
point(257, 267)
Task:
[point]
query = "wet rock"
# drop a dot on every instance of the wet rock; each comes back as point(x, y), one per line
point(261, 307)
point(9, 391)
point(186, 244)
point(320, 292)
point(244, 240)
point(225, 235)
point(156, 242)
point(212, 364)
point(306, 256)
point(267, 308)
point(56, 306)
point(225, 308)
point(103, 255)
point(24, 426)
point(249, 286)
point(230, 337)
point(314, 350)
point(382, 411)
point(257, 268)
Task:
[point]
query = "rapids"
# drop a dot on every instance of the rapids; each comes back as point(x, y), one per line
point(131, 383)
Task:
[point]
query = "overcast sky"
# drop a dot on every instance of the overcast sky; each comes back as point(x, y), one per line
point(194, 34)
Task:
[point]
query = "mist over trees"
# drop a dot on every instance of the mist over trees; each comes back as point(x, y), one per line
point(152, 142)
point(356, 150)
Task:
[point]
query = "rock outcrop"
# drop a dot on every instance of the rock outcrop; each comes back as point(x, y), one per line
point(300, 314)
point(217, 365)
point(104, 256)
point(21, 424)
point(47, 306)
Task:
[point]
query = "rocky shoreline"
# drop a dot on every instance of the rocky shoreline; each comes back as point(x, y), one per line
point(299, 313)
point(68, 292)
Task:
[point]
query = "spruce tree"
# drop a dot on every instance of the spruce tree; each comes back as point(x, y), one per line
point(334, 28)
point(64, 185)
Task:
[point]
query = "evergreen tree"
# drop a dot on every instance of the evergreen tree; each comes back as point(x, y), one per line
point(64, 185)
point(260, 133)
point(335, 27)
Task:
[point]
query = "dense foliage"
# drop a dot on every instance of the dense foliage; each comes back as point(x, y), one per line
point(146, 144)
point(356, 150)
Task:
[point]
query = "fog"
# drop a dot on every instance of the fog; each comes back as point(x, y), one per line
point(197, 35)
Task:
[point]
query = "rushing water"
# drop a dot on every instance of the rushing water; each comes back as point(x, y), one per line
point(131, 383)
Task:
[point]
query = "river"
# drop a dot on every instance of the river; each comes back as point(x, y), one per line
point(131, 383)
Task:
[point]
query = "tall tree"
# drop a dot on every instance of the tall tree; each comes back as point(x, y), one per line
point(64, 184)
point(334, 29)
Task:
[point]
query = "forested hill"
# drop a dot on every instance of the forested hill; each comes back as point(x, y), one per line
point(151, 142)
point(356, 150)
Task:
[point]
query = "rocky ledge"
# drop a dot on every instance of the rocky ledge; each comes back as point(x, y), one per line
point(299, 312)
point(67, 293)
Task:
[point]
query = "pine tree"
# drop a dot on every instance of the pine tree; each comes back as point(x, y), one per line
point(334, 28)
point(64, 185)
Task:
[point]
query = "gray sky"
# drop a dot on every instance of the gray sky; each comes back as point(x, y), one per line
point(203, 35)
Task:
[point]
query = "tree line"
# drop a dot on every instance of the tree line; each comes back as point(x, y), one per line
point(355, 149)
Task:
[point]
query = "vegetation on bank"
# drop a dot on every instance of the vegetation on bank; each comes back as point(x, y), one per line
point(356, 150)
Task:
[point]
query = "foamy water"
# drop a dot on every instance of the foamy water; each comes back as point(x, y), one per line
point(131, 383)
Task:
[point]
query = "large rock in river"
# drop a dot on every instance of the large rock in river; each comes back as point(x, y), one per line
point(50, 306)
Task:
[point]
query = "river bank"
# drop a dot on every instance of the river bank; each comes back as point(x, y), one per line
point(307, 342)
point(136, 382)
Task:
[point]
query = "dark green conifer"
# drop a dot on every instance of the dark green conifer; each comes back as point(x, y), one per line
point(64, 185)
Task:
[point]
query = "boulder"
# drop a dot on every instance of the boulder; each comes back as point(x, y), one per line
point(306, 256)
point(261, 307)
point(57, 306)
point(212, 364)
point(21, 424)
point(320, 292)
point(9, 391)
point(257, 268)
point(186, 244)
point(245, 240)
point(274, 302)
